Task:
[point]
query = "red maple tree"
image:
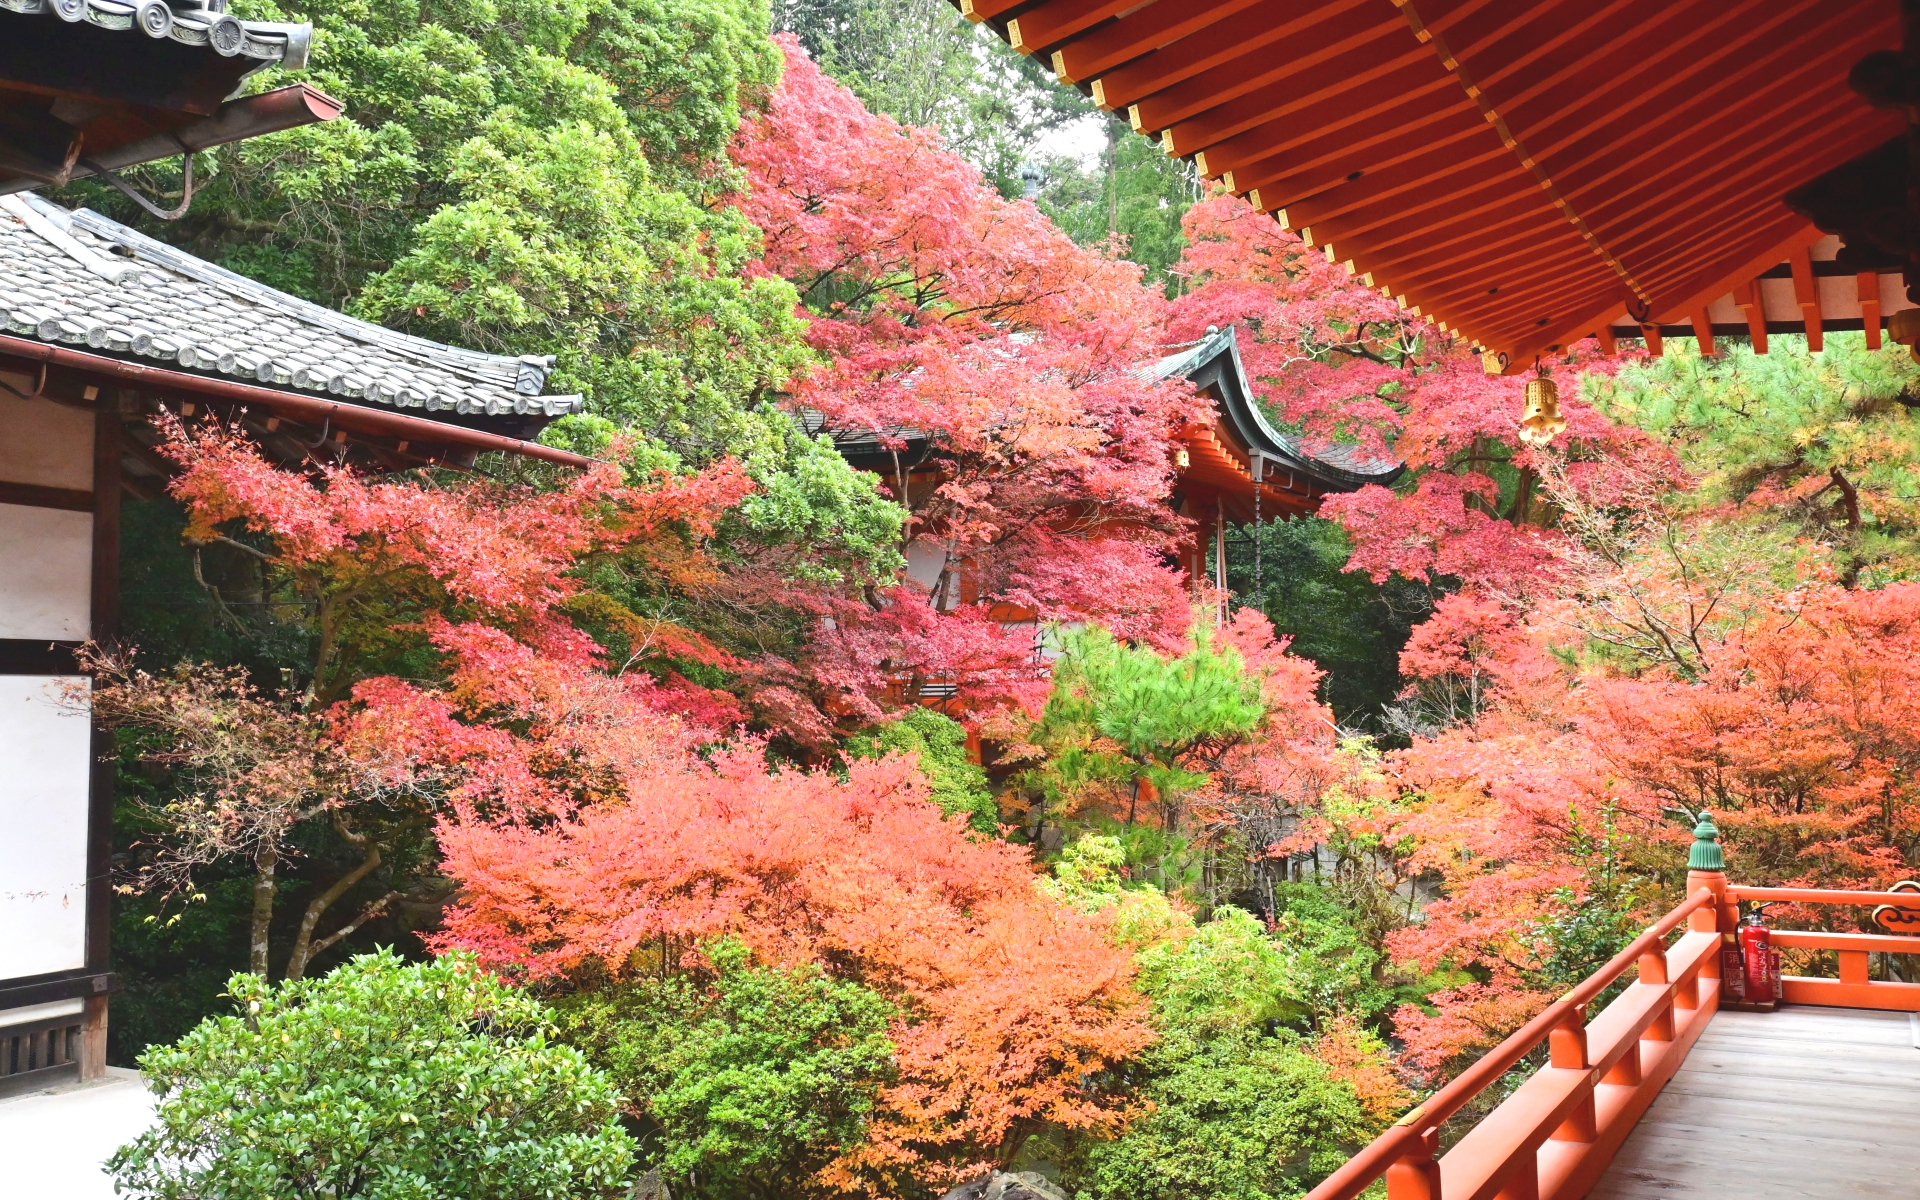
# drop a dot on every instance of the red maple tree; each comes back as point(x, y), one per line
point(1013, 1006)
point(1341, 363)
point(967, 329)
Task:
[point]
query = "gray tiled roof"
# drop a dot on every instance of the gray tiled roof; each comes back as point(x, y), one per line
point(191, 24)
point(79, 278)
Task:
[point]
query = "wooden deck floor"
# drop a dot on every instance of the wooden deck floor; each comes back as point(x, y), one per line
point(1805, 1102)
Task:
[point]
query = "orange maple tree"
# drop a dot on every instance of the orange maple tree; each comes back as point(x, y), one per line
point(1013, 1007)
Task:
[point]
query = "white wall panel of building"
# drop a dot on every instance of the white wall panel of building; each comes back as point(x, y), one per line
point(45, 762)
point(47, 444)
point(46, 574)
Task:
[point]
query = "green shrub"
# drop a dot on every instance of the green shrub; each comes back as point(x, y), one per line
point(382, 1080)
point(959, 785)
point(1228, 974)
point(1241, 1116)
point(755, 1080)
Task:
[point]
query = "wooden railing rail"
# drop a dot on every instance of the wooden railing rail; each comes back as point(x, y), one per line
point(1556, 1134)
point(1767, 895)
point(1855, 988)
point(1579, 1107)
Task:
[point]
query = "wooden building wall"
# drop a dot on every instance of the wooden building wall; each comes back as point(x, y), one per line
point(59, 520)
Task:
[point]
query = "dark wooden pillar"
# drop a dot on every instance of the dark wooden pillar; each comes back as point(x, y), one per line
point(105, 623)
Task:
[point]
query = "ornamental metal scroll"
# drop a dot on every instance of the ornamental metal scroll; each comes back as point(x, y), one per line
point(1899, 918)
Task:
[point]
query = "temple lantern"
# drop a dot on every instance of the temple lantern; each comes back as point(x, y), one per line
point(1541, 421)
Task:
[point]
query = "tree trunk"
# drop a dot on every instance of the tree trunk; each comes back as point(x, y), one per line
point(1849, 499)
point(1850, 502)
point(1113, 177)
point(303, 940)
point(1522, 497)
point(264, 861)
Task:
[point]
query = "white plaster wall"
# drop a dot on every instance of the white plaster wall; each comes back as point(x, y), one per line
point(46, 574)
point(45, 760)
point(47, 444)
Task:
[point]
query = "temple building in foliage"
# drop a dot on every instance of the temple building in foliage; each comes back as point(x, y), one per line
point(100, 329)
point(1529, 176)
point(1240, 470)
point(1236, 469)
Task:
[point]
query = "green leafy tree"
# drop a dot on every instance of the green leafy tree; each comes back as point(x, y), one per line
point(1347, 625)
point(826, 524)
point(1334, 965)
point(1823, 447)
point(1126, 715)
point(754, 1078)
point(382, 1080)
point(1242, 1116)
point(1132, 192)
point(530, 178)
point(959, 784)
point(1227, 975)
point(1243, 1106)
point(921, 63)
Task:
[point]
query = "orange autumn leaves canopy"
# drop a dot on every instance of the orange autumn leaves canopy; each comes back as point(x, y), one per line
point(1014, 1004)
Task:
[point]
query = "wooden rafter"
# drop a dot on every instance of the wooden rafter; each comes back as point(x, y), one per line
point(1523, 170)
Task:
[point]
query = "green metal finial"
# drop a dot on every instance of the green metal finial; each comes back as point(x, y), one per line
point(1705, 855)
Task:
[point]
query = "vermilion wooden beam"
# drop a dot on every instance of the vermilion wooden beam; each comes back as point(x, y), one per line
point(1181, 81)
point(1430, 181)
point(1639, 194)
point(1867, 290)
point(1806, 293)
point(1436, 108)
point(984, 10)
point(1720, 154)
point(1034, 31)
point(1500, 229)
point(1142, 31)
point(1382, 104)
point(1181, 77)
point(1763, 244)
point(1669, 128)
point(1748, 298)
point(1305, 165)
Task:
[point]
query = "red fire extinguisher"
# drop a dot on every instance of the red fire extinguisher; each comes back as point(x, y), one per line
point(1760, 962)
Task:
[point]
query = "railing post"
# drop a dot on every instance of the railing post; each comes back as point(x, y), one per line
point(1523, 1179)
point(1653, 970)
point(1853, 966)
point(1707, 868)
point(1567, 1050)
point(1416, 1176)
point(93, 1039)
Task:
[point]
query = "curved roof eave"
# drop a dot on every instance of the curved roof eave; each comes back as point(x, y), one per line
point(1216, 361)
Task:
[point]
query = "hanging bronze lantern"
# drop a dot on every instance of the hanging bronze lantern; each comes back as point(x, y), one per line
point(1541, 420)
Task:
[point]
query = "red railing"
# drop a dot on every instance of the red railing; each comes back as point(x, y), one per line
point(1558, 1130)
point(1557, 1133)
point(1854, 988)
